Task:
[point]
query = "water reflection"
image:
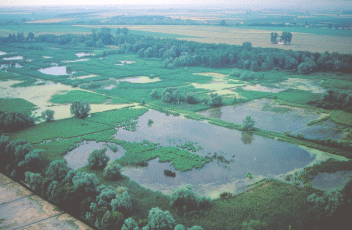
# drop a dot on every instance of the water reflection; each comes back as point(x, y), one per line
point(232, 158)
point(247, 138)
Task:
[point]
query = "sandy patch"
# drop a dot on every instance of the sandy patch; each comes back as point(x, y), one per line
point(12, 191)
point(301, 84)
point(47, 57)
point(84, 54)
point(87, 76)
point(52, 20)
point(262, 88)
point(79, 60)
point(13, 58)
point(141, 79)
point(4, 179)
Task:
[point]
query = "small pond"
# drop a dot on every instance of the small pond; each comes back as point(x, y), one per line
point(14, 58)
point(82, 54)
point(331, 181)
point(236, 154)
point(56, 70)
point(271, 116)
point(77, 158)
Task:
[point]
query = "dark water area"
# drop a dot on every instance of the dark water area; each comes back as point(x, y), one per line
point(237, 153)
point(331, 181)
point(271, 116)
point(77, 158)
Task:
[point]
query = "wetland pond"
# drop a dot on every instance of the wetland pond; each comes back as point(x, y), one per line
point(234, 155)
point(78, 157)
point(271, 116)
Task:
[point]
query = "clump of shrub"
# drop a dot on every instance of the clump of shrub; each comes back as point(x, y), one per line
point(185, 199)
point(98, 158)
point(14, 121)
point(112, 171)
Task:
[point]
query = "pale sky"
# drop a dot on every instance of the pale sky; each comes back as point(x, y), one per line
point(283, 3)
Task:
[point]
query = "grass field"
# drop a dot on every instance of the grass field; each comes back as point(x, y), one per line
point(78, 95)
point(16, 105)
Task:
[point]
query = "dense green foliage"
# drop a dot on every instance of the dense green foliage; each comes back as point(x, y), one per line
point(14, 121)
point(112, 171)
point(248, 123)
point(78, 95)
point(48, 115)
point(185, 199)
point(80, 109)
point(16, 105)
point(98, 158)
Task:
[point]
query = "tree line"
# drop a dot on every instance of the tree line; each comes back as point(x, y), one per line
point(177, 53)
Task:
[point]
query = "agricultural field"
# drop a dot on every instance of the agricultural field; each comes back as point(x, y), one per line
point(109, 121)
point(259, 37)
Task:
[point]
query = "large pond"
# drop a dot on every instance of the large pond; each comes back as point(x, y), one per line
point(236, 155)
point(57, 70)
point(78, 157)
point(271, 116)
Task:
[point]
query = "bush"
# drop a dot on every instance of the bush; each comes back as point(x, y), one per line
point(98, 158)
point(184, 198)
point(130, 224)
point(160, 220)
point(14, 121)
point(254, 225)
point(154, 94)
point(247, 123)
point(215, 100)
point(112, 171)
point(80, 109)
point(57, 170)
point(48, 115)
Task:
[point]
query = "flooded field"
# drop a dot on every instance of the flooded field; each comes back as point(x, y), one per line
point(77, 158)
point(234, 155)
point(279, 118)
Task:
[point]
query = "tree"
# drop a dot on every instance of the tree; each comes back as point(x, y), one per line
point(80, 109)
point(85, 182)
point(273, 38)
point(31, 36)
point(57, 170)
point(254, 225)
point(112, 171)
point(122, 203)
point(130, 224)
point(14, 121)
point(160, 220)
point(69, 70)
point(98, 158)
point(48, 115)
point(286, 37)
point(222, 23)
point(154, 94)
point(184, 198)
point(34, 180)
point(307, 67)
point(247, 123)
point(124, 30)
point(143, 102)
point(215, 100)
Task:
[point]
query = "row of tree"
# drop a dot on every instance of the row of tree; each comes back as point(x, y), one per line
point(335, 99)
point(285, 37)
point(177, 53)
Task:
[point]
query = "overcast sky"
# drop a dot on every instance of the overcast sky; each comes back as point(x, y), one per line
point(282, 3)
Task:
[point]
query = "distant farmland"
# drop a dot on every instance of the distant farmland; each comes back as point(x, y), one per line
point(258, 38)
